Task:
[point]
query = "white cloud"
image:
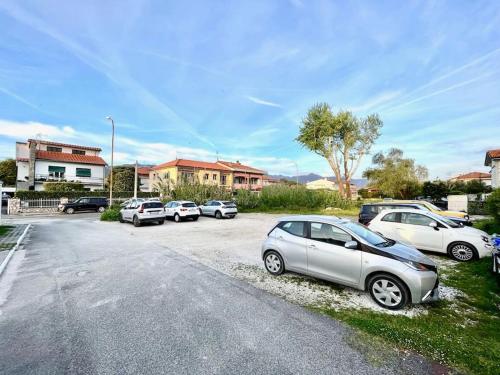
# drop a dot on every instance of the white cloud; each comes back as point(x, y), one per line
point(263, 102)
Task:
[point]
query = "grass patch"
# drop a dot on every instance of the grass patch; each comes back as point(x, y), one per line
point(463, 334)
point(4, 229)
point(303, 211)
point(490, 226)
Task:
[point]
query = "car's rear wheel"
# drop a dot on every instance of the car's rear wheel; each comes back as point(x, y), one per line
point(218, 215)
point(177, 218)
point(120, 218)
point(161, 222)
point(274, 263)
point(195, 218)
point(101, 209)
point(70, 211)
point(136, 221)
point(462, 252)
point(388, 292)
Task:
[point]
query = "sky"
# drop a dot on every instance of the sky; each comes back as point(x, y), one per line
point(234, 79)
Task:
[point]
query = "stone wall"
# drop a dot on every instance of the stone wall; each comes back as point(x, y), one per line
point(16, 207)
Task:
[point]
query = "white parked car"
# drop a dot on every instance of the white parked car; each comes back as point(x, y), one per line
point(139, 211)
point(179, 210)
point(431, 232)
point(219, 209)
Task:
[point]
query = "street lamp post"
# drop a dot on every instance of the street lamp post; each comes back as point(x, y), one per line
point(1, 200)
point(112, 154)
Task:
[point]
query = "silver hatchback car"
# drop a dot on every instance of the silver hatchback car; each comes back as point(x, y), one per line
point(348, 253)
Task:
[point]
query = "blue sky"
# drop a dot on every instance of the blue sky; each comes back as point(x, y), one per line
point(193, 78)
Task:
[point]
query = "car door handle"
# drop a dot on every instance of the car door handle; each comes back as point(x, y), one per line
point(312, 246)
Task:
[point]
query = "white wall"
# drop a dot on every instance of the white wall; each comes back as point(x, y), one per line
point(495, 173)
point(96, 172)
point(67, 150)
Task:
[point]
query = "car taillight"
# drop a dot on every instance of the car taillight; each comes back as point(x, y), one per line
point(141, 209)
point(183, 209)
point(224, 206)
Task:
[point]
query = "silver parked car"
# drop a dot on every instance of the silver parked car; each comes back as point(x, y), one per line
point(348, 253)
point(219, 209)
point(139, 211)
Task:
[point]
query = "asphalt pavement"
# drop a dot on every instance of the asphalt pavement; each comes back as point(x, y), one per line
point(85, 297)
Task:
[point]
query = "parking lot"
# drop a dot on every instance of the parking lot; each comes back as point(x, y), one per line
point(233, 246)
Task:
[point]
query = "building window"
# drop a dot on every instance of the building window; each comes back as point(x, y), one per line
point(205, 176)
point(54, 149)
point(214, 177)
point(56, 171)
point(78, 152)
point(223, 179)
point(83, 172)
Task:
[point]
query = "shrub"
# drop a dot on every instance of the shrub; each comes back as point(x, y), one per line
point(199, 193)
point(492, 205)
point(63, 186)
point(246, 199)
point(281, 196)
point(111, 214)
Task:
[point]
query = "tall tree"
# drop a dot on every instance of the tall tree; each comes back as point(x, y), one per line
point(8, 172)
point(123, 179)
point(342, 139)
point(396, 176)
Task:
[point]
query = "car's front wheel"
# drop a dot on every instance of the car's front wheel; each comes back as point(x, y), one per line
point(388, 291)
point(101, 209)
point(274, 263)
point(120, 218)
point(462, 252)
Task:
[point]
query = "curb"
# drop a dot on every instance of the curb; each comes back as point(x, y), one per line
point(3, 266)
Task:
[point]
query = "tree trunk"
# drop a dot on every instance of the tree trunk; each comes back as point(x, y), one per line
point(347, 177)
point(336, 171)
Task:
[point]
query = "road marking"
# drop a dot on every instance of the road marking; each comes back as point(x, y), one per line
point(11, 252)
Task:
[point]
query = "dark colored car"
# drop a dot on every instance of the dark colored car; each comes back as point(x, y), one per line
point(370, 210)
point(98, 204)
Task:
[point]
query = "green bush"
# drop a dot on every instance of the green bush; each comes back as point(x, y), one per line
point(63, 187)
point(492, 205)
point(246, 199)
point(111, 214)
point(281, 196)
point(489, 226)
point(30, 194)
point(200, 193)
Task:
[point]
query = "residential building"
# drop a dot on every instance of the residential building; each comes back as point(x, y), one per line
point(41, 161)
point(480, 176)
point(221, 173)
point(143, 177)
point(493, 160)
point(267, 181)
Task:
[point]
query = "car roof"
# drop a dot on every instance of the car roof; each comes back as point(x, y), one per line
point(321, 218)
point(409, 209)
point(183, 201)
point(392, 203)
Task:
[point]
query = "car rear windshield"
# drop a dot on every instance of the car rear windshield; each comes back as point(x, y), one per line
point(152, 205)
point(191, 204)
point(228, 203)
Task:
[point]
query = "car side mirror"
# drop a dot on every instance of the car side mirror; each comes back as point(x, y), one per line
point(351, 245)
point(434, 225)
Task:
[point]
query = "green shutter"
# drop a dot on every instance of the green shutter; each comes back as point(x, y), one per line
point(82, 172)
point(53, 168)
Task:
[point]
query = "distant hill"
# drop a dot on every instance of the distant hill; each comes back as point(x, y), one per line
point(305, 178)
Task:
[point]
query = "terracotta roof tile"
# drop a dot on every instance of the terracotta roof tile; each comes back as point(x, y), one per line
point(491, 154)
point(240, 167)
point(143, 170)
point(70, 158)
point(192, 164)
point(473, 175)
point(63, 145)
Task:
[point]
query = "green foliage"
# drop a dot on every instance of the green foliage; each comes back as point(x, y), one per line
point(396, 176)
point(123, 179)
point(294, 197)
point(199, 193)
point(8, 172)
point(111, 214)
point(4, 229)
point(342, 139)
point(489, 226)
point(435, 189)
point(63, 186)
point(493, 205)
point(30, 194)
point(246, 199)
point(439, 189)
point(164, 185)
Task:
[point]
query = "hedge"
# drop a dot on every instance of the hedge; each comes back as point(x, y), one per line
point(30, 194)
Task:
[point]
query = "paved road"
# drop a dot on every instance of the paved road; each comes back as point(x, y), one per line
point(91, 298)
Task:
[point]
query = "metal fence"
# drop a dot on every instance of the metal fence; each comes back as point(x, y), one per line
point(40, 203)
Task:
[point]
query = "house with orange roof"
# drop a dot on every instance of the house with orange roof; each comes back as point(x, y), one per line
point(492, 160)
point(40, 161)
point(480, 176)
point(221, 173)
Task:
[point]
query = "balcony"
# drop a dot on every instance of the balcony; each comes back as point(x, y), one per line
point(246, 186)
point(40, 178)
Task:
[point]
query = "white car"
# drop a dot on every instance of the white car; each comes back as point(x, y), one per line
point(139, 211)
point(179, 210)
point(219, 209)
point(431, 232)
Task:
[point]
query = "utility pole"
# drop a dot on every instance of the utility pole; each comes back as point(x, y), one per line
point(112, 154)
point(135, 180)
point(1, 200)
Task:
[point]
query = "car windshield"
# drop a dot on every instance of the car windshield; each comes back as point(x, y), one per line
point(435, 208)
point(368, 235)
